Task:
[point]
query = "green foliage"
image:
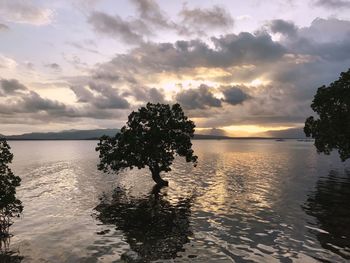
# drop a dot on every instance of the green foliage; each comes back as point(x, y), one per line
point(152, 137)
point(332, 129)
point(10, 206)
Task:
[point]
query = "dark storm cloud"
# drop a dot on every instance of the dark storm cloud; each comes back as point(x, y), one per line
point(106, 98)
point(326, 30)
point(203, 97)
point(114, 26)
point(33, 102)
point(10, 87)
point(4, 27)
point(291, 69)
point(31, 105)
point(105, 75)
point(229, 50)
point(196, 21)
point(283, 27)
point(294, 67)
point(145, 94)
point(200, 98)
point(328, 39)
point(150, 11)
point(234, 95)
point(332, 3)
point(203, 20)
point(82, 93)
point(25, 100)
point(155, 96)
point(248, 49)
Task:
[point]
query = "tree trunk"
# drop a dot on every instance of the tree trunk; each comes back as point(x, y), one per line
point(156, 177)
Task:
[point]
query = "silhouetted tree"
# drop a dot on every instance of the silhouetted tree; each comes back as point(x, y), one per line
point(10, 206)
point(6, 255)
point(152, 137)
point(332, 129)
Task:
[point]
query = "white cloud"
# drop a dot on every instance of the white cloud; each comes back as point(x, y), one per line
point(6, 62)
point(21, 11)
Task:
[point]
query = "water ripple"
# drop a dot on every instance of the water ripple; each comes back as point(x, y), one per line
point(246, 201)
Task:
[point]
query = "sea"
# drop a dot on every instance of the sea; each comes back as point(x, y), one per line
point(245, 201)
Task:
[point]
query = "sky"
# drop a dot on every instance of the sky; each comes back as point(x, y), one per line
point(239, 68)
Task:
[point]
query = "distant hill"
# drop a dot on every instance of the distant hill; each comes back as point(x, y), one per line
point(65, 135)
point(294, 133)
point(97, 133)
point(85, 135)
point(210, 137)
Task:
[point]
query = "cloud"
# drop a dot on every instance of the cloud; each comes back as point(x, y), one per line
point(258, 80)
point(4, 27)
point(6, 62)
point(10, 87)
point(115, 26)
point(203, 97)
point(336, 30)
point(29, 65)
point(106, 97)
point(283, 27)
point(150, 11)
point(197, 21)
point(18, 102)
point(85, 5)
point(200, 98)
point(54, 66)
point(26, 12)
point(336, 4)
point(247, 78)
point(23, 100)
point(145, 94)
point(33, 102)
point(82, 46)
point(234, 95)
point(202, 20)
point(214, 131)
point(228, 51)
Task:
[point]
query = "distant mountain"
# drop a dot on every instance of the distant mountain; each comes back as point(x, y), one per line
point(87, 135)
point(210, 137)
point(96, 134)
point(214, 132)
point(294, 133)
point(65, 135)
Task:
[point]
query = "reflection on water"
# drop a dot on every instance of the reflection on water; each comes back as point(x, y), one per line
point(329, 203)
point(246, 201)
point(153, 227)
point(6, 255)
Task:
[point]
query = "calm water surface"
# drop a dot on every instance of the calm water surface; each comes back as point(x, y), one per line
point(246, 201)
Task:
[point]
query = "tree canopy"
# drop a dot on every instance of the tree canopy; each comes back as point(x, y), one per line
point(152, 137)
point(332, 130)
point(10, 206)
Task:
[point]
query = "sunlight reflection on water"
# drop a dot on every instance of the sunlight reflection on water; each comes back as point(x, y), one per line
point(246, 201)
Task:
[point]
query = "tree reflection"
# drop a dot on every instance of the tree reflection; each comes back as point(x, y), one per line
point(329, 204)
point(154, 227)
point(7, 256)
